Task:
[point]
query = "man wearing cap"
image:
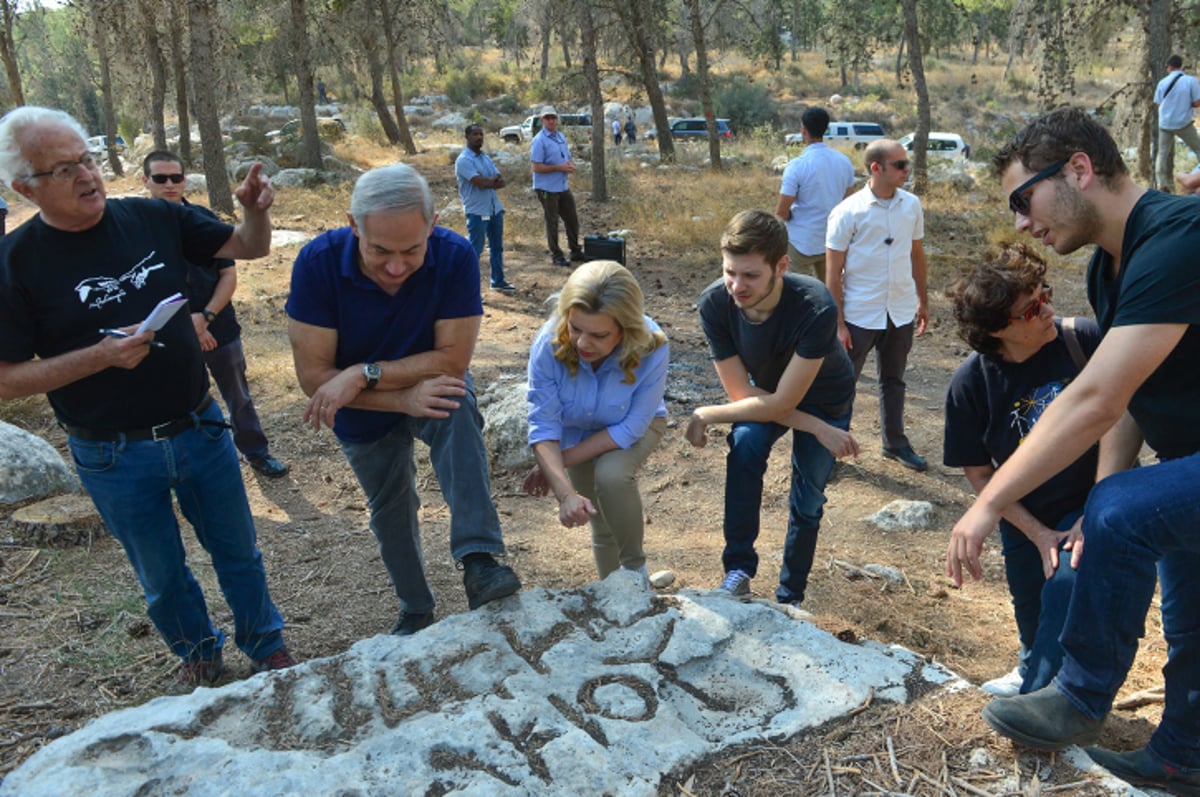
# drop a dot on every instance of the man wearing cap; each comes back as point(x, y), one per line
point(550, 156)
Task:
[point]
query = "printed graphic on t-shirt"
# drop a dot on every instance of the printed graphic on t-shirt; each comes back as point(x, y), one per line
point(96, 292)
point(1028, 409)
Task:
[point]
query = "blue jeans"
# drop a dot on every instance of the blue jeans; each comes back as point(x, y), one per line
point(227, 364)
point(385, 470)
point(493, 228)
point(1134, 521)
point(1039, 604)
point(749, 449)
point(131, 484)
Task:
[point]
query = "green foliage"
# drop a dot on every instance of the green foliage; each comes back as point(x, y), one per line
point(363, 121)
point(466, 84)
point(745, 105)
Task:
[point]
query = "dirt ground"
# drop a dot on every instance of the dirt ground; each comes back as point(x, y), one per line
point(76, 642)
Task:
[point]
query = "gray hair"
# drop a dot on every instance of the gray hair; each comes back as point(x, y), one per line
point(395, 188)
point(14, 165)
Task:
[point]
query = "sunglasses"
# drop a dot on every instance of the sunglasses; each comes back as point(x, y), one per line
point(902, 165)
point(1018, 200)
point(1035, 309)
point(162, 178)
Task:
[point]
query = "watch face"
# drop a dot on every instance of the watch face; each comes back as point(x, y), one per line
point(372, 371)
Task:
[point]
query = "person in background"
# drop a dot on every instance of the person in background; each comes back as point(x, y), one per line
point(550, 159)
point(1023, 358)
point(597, 374)
point(210, 299)
point(1177, 96)
point(478, 178)
point(616, 128)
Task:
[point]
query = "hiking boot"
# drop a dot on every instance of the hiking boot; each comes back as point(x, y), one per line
point(907, 457)
point(577, 256)
point(737, 582)
point(1043, 720)
point(202, 672)
point(1006, 685)
point(412, 622)
point(486, 580)
point(1144, 768)
point(281, 659)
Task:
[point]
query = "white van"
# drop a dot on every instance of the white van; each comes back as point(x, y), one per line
point(859, 134)
point(941, 146)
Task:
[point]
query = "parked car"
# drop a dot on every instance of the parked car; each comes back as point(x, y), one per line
point(694, 129)
point(858, 134)
point(941, 146)
point(98, 146)
point(572, 124)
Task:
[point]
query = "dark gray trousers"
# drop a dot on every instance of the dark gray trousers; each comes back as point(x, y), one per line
point(891, 347)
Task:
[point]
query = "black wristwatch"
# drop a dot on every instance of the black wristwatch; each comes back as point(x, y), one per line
point(209, 315)
point(372, 372)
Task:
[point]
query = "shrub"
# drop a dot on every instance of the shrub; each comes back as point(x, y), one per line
point(745, 105)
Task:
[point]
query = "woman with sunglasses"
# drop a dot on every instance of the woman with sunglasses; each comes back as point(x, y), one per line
point(1022, 360)
point(597, 374)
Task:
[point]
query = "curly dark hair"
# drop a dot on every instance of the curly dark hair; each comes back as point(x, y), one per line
point(983, 294)
point(1058, 135)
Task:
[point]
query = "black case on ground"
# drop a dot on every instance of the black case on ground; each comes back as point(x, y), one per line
point(602, 247)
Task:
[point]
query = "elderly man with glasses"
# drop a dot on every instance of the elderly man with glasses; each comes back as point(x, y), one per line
point(1139, 523)
point(76, 281)
point(875, 269)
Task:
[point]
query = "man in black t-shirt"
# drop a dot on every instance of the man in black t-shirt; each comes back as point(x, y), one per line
point(1022, 361)
point(773, 338)
point(76, 281)
point(1069, 187)
point(210, 300)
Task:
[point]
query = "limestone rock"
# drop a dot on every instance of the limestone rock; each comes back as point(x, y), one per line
point(506, 423)
point(661, 579)
point(30, 467)
point(903, 515)
point(600, 690)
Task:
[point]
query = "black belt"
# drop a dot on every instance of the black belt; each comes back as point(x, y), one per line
point(162, 431)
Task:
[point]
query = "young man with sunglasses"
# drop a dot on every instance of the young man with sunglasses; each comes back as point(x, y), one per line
point(76, 281)
point(875, 269)
point(1070, 188)
point(210, 295)
point(1022, 360)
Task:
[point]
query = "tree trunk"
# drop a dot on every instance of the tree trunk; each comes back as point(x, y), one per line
point(178, 14)
point(202, 22)
point(591, 73)
point(158, 73)
point(378, 101)
point(630, 12)
point(546, 26)
point(310, 137)
point(917, 64)
point(900, 58)
point(8, 52)
point(980, 31)
point(392, 36)
point(714, 141)
point(1158, 35)
point(106, 89)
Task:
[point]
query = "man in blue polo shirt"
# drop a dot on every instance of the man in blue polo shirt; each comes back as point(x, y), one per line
point(384, 315)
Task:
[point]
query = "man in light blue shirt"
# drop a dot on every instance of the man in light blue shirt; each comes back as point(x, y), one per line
point(550, 157)
point(1177, 97)
point(812, 186)
point(478, 179)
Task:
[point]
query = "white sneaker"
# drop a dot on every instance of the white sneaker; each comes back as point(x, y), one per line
point(1006, 685)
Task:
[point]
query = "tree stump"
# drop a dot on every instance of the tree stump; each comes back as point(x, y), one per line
point(61, 521)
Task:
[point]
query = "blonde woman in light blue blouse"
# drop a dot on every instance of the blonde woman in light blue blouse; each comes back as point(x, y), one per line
point(597, 373)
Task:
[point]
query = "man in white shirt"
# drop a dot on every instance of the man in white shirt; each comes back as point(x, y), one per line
point(1177, 96)
point(875, 266)
point(812, 185)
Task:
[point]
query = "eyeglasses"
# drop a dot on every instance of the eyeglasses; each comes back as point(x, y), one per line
point(162, 178)
point(66, 170)
point(902, 165)
point(1035, 309)
point(1018, 200)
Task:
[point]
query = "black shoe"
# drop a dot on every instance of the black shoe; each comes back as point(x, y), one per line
point(1143, 768)
point(268, 466)
point(412, 622)
point(1043, 720)
point(504, 287)
point(486, 580)
point(577, 256)
point(559, 260)
point(906, 457)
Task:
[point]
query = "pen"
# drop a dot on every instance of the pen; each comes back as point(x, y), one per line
point(116, 333)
